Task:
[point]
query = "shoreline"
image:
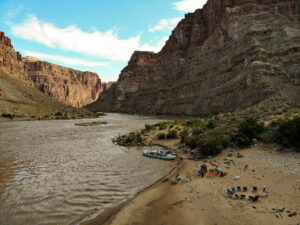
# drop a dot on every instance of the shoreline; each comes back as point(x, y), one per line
point(196, 200)
point(107, 215)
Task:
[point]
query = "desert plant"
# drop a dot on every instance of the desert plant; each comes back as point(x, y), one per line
point(247, 130)
point(193, 123)
point(161, 136)
point(288, 133)
point(149, 127)
point(211, 124)
point(8, 115)
point(184, 135)
point(172, 134)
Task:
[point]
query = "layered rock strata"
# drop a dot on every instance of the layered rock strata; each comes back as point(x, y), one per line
point(229, 55)
point(10, 60)
point(68, 86)
point(71, 87)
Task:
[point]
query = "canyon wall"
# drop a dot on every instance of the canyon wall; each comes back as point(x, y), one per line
point(229, 55)
point(71, 87)
point(10, 60)
point(68, 86)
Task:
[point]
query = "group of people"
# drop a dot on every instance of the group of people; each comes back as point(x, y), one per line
point(203, 170)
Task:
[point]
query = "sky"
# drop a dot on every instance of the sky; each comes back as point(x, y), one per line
point(91, 35)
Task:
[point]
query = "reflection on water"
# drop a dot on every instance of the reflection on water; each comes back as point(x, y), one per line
point(53, 172)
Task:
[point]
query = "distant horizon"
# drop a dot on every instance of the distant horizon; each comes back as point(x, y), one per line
point(94, 36)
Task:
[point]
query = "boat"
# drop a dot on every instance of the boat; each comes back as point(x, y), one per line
point(162, 154)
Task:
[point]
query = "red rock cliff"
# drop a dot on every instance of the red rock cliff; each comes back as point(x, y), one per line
point(66, 85)
point(72, 87)
point(10, 60)
point(228, 55)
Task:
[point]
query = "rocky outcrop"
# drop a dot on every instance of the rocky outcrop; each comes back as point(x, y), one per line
point(10, 60)
point(71, 87)
point(229, 55)
point(68, 86)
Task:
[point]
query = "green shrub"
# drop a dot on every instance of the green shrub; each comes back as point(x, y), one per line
point(192, 141)
point(211, 124)
point(8, 115)
point(162, 126)
point(247, 130)
point(197, 131)
point(172, 134)
point(184, 135)
point(209, 144)
point(161, 136)
point(193, 123)
point(288, 133)
point(149, 127)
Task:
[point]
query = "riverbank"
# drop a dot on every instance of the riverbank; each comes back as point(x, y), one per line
point(196, 200)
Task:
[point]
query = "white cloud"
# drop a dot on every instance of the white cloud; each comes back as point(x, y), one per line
point(189, 5)
point(166, 24)
point(13, 13)
point(106, 45)
point(65, 60)
point(154, 48)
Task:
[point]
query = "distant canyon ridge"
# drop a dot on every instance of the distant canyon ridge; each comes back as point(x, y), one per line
point(66, 85)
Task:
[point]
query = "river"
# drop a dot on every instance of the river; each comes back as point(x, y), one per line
point(54, 172)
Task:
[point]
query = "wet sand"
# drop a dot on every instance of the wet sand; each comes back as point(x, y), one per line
point(196, 200)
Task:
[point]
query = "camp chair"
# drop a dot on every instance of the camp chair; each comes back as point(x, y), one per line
point(233, 189)
point(243, 196)
point(229, 192)
point(255, 198)
point(250, 197)
point(245, 189)
point(239, 188)
point(254, 189)
point(236, 196)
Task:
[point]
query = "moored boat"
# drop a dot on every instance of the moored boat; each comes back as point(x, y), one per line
point(167, 155)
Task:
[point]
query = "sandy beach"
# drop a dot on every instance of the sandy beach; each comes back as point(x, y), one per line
point(195, 200)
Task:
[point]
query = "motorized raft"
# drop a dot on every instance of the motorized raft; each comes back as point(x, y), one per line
point(162, 154)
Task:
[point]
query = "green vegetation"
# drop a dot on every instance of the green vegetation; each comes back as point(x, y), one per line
point(210, 137)
point(8, 115)
point(172, 134)
point(211, 124)
point(149, 127)
point(184, 135)
point(161, 136)
point(193, 123)
point(288, 133)
point(247, 130)
point(134, 138)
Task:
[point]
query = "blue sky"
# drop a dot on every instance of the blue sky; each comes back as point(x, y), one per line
point(91, 35)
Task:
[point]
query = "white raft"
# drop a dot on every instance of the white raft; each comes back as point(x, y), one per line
point(167, 155)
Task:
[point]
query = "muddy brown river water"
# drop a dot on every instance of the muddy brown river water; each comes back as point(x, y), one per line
point(54, 172)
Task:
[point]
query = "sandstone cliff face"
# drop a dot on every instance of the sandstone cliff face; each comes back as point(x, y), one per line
point(10, 60)
point(71, 87)
point(68, 86)
point(229, 55)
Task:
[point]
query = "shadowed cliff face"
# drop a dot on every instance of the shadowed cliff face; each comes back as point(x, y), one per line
point(229, 55)
point(68, 86)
